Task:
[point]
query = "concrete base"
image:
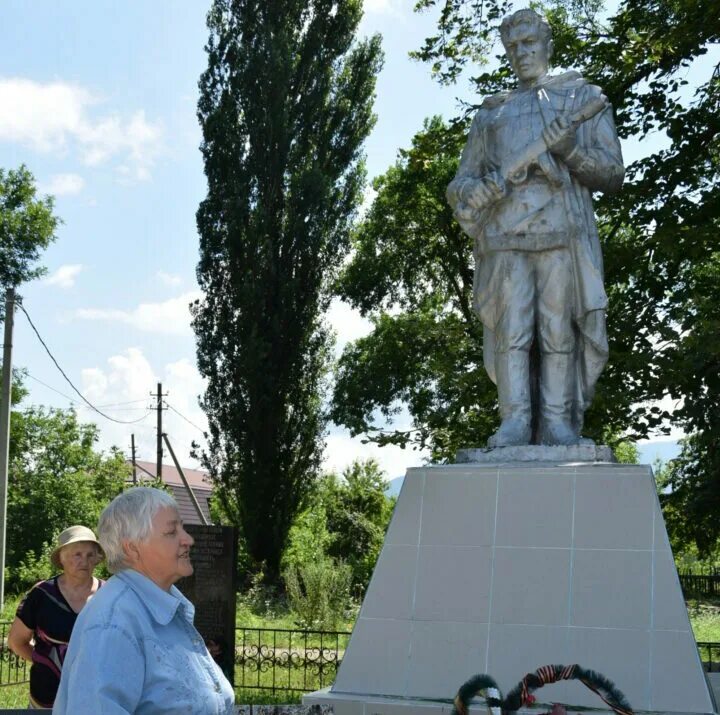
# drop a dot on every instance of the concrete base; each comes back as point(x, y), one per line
point(500, 569)
point(536, 453)
point(343, 704)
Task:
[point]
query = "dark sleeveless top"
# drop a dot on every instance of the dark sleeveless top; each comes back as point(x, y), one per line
point(45, 611)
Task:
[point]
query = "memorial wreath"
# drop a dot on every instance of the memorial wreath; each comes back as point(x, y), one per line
point(522, 693)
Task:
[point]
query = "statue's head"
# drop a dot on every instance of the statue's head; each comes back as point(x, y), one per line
point(528, 44)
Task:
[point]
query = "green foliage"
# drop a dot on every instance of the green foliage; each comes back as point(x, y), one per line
point(358, 514)
point(27, 226)
point(32, 568)
point(412, 274)
point(309, 538)
point(285, 104)
point(319, 592)
point(56, 479)
point(627, 452)
point(691, 497)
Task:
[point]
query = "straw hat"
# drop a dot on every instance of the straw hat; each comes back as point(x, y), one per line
point(71, 535)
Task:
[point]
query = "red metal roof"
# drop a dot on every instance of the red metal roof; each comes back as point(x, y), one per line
point(198, 481)
point(170, 475)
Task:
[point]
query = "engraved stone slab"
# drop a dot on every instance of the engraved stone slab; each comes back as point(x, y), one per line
point(536, 453)
point(212, 589)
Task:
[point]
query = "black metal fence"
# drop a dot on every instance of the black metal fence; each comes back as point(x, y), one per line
point(700, 584)
point(268, 659)
point(710, 655)
point(281, 660)
point(295, 661)
point(13, 670)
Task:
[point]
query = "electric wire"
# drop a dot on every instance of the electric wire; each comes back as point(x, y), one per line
point(200, 429)
point(69, 381)
point(72, 400)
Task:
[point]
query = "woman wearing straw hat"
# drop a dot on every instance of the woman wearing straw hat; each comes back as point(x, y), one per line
point(45, 618)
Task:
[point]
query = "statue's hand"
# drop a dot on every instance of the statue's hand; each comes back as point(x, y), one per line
point(560, 137)
point(485, 192)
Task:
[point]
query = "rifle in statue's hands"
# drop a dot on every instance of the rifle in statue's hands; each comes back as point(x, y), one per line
point(513, 169)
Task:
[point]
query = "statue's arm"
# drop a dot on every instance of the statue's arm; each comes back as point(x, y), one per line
point(475, 185)
point(469, 168)
point(599, 166)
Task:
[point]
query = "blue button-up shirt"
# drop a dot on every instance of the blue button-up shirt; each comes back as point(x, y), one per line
point(134, 649)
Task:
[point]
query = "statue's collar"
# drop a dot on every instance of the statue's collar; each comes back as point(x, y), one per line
point(547, 82)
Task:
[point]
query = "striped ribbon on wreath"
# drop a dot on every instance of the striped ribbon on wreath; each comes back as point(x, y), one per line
point(522, 693)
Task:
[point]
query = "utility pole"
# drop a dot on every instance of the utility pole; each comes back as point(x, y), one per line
point(5, 405)
point(190, 492)
point(132, 447)
point(159, 407)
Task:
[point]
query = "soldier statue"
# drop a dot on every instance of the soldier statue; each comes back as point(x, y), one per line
point(523, 194)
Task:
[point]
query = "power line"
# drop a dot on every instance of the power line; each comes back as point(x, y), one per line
point(116, 405)
point(68, 380)
point(62, 394)
point(200, 429)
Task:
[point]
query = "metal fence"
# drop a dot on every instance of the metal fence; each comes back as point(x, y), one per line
point(710, 655)
point(13, 670)
point(276, 660)
point(295, 661)
point(700, 585)
point(280, 660)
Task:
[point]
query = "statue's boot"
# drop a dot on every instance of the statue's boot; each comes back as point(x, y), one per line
point(512, 373)
point(556, 396)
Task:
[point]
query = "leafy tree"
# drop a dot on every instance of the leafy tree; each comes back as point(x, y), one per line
point(658, 234)
point(308, 538)
point(411, 272)
point(27, 226)
point(56, 479)
point(285, 104)
point(358, 514)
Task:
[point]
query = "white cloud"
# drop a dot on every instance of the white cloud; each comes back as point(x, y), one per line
point(63, 185)
point(342, 449)
point(381, 7)
point(121, 388)
point(169, 317)
point(58, 117)
point(64, 277)
point(168, 279)
point(347, 323)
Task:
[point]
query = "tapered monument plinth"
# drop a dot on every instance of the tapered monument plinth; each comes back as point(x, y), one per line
point(500, 569)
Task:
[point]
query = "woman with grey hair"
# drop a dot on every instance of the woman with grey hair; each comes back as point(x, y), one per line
point(134, 648)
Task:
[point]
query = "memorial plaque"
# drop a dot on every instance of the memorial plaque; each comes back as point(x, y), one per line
point(212, 589)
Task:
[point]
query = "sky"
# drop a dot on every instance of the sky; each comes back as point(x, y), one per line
point(98, 98)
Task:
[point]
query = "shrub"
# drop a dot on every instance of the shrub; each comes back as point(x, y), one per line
point(319, 592)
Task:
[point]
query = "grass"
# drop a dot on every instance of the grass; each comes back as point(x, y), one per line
point(12, 601)
point(705, 619)
point(14, 696)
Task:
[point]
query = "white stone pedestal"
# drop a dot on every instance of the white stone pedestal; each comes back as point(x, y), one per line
point(502, 568)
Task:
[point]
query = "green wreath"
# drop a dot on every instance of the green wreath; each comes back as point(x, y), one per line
point(522, 693)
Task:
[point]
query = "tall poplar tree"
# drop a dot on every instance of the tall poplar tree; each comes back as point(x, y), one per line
point(285, 105)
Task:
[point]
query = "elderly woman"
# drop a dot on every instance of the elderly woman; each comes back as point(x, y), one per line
point(46, 616)
point(134, 648)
